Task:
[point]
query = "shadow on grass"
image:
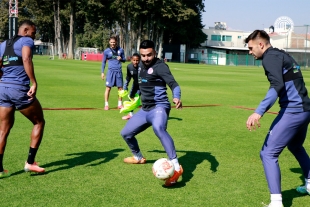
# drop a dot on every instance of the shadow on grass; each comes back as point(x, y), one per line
point(189, 162)
point(175, 118)
point(289, 195)
point(83, 158)
point(76, 159)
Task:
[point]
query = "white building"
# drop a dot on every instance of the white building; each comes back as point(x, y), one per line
point(227, 47)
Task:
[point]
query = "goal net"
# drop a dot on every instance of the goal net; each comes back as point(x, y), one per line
point(44, 48)
point(80, 50)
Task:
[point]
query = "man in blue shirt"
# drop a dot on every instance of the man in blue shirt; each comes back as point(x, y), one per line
point(289, 129)
point(115, 56)
point(17, 94)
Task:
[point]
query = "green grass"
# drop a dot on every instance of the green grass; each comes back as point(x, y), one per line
point(83, 152)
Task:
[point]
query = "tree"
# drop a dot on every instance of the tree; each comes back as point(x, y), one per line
point(192, 24)
point(89, 23)
point(4, 20)
point(72, 29)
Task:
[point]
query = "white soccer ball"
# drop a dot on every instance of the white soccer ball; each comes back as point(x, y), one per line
point(163, 168)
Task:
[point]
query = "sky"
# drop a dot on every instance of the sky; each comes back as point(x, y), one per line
point(248, 15)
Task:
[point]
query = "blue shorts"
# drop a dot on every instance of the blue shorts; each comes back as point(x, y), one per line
point(14, 97)
point(114, 78)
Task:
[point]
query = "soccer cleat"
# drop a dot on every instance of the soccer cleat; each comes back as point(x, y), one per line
point(173, 180)
point(120, 107)
point(303, 190)
point(133, 160)
point(106, 108)
point(127, 117)
point(4, 174)
point(33, 168)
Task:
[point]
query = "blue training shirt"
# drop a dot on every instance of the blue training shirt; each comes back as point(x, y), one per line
point(110, 55)
point(16, 76)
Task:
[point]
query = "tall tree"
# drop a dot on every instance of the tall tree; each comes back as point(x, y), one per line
point(72, 29)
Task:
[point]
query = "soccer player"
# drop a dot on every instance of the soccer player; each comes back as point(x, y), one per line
point(115, 56)
point(132, 72)
point(290, 126)
point(17, 94)
point(153, 76)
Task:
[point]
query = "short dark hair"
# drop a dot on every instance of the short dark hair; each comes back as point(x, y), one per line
point(113, 38)
point(136, 55)
point(258, 34)
point(145, 44)
point(26, 23)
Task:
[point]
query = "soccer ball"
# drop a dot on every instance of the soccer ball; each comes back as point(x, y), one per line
point(163, 168)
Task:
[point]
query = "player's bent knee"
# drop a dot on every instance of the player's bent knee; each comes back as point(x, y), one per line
point(126, 134)
point(42, 123)
point(264, 154)
point(268, 154)
point(123, 134)
point(159, 129)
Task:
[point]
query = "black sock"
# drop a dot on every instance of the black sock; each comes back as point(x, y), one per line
point(32, 155)
point(1, 164)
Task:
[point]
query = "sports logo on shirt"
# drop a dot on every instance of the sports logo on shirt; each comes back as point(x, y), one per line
point(6, 59)
point(150, 71)
point(296, 68)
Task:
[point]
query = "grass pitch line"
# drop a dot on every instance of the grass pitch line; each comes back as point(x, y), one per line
point(252, 109)
point(115, 108)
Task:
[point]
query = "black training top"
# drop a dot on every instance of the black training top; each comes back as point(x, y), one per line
point(132, 72)
point(152, 81)
point(286, 82)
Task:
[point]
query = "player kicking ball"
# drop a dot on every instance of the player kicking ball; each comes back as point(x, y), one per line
point(153, 77)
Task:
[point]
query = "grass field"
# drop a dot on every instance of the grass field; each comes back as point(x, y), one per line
point(83, 152)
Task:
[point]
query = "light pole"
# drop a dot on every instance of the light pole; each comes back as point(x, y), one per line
point(306, 45)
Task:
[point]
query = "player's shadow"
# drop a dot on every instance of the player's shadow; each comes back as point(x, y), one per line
point(289, 195)
point(83, 158)
point(77, 159)
point(175, 118)
point(189, 162)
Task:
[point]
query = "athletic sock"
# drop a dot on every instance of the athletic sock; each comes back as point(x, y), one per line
point(276, 199)
point(119, 103)
point(1, 164)
point(130, 113)
point(32, 155)
point(106, 103)
point(307, 185)
point(176, 164)
point(138, 156)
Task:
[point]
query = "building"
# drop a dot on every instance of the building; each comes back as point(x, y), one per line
point(227, 47)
